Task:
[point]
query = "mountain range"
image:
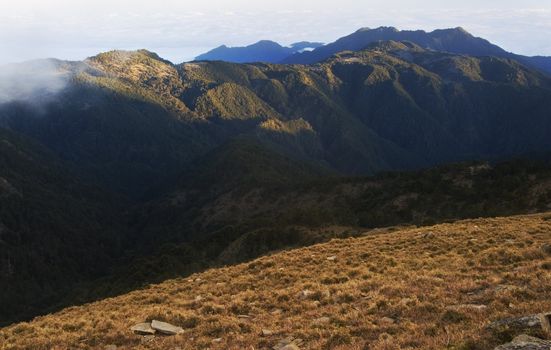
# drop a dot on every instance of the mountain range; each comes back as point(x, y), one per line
point(454, 40)
point(134, 169)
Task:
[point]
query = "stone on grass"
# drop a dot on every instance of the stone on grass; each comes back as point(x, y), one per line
point(534, 324)
point(545, 319)
point(525, 342)
point(143, 328)
point(166, 328)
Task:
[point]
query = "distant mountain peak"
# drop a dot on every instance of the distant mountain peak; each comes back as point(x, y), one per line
point(378, 29)
point(124, 55)
point(454, 40)
point(363, 29)
point(266, 42)
point(459, 31)
point(462, 30)
point(262, 51)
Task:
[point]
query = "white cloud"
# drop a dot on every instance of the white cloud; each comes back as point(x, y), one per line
point(75, 29)
point(36, 81)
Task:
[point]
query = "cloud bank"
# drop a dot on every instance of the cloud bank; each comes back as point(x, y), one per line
point(179, 30)
point(35, 81)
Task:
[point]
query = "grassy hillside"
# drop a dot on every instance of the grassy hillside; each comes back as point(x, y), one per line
point(218, 218)
point(429, 288)
point(236, 203)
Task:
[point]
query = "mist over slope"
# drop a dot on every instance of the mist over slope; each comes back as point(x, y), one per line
point(32, 81)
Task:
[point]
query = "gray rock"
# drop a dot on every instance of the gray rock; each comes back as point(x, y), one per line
point(546, 248)
point(166, 328)
point(528, 322)
point(534, 324)
point(525, 342)
point(142, 328)
point(545, 319)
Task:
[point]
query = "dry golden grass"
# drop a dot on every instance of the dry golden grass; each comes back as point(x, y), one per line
point(416, 277)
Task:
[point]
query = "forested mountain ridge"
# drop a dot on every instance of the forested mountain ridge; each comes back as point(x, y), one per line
point(142, 164)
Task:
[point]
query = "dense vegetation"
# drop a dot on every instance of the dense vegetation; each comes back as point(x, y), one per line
point(55, 229)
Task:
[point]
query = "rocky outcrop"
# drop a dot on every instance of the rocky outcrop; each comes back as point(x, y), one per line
point(143, 328)
point(525, 342)
point(537, 325)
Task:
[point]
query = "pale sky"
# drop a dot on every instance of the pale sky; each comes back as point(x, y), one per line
point(179, 30)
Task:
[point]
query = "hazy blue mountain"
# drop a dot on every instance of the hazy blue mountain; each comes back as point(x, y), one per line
point(262, 51)
point(454, 40)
